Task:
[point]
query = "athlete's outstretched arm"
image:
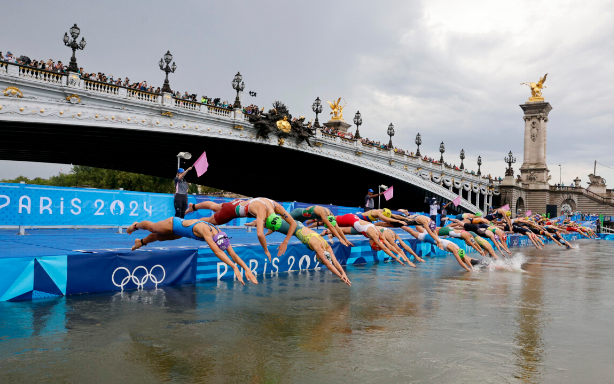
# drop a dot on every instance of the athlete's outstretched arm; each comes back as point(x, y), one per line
point(248, 272)
point(222, 256)
point(284, 244)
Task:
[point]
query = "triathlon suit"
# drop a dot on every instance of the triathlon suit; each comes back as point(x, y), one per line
point(180, 230)
point(234, 209)
point(304, 214)
point(489, 217)
point(524, 231)
point(447, 231)
point(425, 237)
point(298, 233)
point(462, 216)
point(352, 221)
point(347, 220)
point(471, 227)
point(411, 220)
point(367, 218)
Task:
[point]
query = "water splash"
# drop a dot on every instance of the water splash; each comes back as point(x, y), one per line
point(513, 263)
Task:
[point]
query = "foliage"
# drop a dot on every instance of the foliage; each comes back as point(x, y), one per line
point(82, 176)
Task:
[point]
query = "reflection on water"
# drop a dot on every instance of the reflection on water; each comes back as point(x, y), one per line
point(548, 323)
point(531, 319)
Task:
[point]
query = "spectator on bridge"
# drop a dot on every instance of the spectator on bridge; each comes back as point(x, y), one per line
point(181, 192)
point(369, 203)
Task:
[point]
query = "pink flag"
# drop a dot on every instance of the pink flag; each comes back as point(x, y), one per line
point(201, 164)
point(528, 213)
point(506, 207)
point(388, 193)
point(456, 201)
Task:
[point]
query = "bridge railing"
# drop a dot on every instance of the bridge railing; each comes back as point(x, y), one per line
point(4, 67)
point(40, 74)
point(218, 111)
point(97, 86)
point(143, 95)
point(186, 104)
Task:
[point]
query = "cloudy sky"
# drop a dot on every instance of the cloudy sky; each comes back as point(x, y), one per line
point(449, 70)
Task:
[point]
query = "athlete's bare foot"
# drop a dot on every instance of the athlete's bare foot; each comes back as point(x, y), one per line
point(138, 243)
point(190, 208)
point(132, 228)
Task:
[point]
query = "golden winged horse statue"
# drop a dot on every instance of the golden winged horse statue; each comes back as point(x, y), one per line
point(536, 89)
point(337, 109)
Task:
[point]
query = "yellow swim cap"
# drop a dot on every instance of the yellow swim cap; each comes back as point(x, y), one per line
point(508, 213)
point(387, 212)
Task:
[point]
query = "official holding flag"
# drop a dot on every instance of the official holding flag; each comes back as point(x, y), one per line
point(181, 192)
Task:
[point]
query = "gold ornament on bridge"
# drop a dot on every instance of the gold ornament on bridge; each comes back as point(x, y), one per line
point(337, 110)
point(536, 89)
point(13, 92)
point(284, 125)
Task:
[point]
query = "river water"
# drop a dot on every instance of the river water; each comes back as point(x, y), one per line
point(549, 321)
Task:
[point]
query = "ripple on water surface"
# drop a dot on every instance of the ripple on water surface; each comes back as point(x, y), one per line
point(537, 316)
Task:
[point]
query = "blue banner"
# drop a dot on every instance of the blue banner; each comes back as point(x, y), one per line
point(35, 205)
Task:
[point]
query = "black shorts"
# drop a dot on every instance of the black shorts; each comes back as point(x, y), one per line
point(181, 205)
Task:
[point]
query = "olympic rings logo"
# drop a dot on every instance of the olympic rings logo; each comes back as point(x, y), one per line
point(139, 282)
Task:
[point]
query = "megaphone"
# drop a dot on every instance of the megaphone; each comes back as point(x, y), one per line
point(185, 155)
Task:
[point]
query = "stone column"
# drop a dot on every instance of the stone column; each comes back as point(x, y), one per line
point(477, 199)
point(534, 169)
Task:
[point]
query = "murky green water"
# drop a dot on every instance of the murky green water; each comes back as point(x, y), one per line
point(552, 323)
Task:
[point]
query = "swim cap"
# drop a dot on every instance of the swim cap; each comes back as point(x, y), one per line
point(273, 222)
point(496, 237)
point(328, 256)
point(432, 225)
point(478, 214)
point(332, 220)
point(508, 213)
point(387, 212)
point(222, 240)
point(461, 254)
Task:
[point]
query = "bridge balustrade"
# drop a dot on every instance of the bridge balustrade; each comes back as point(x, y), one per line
point(4, 67)
point(40, 75)
point(97, 86)
point(187, 104)
point(143, 96)
point(218, 111)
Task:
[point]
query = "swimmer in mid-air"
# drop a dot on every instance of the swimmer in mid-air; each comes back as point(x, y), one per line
point(259, 208)
point(174, 228)
point(323, 215)
point(312, 241)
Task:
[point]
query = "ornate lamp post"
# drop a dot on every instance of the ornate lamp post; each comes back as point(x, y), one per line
point(510, 159)
point(74, 32)
point(479, 165)
point(418, 143)
point(442, 149)
point(317, 108)
point(167, 69)
point(462, 157)
point(390, 133)
point(238, 85)
point(358, 122)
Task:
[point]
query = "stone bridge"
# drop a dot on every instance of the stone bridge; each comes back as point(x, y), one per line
point(61, 118)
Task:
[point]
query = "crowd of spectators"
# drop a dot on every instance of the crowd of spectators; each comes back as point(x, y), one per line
point(51, 66)
point(251, 109)
point(48, 65)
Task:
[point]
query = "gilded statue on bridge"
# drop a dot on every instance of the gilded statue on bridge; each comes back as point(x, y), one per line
point(337, 109)
point(536, 89)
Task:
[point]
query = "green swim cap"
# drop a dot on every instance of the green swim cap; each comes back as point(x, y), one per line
point(273, 222)
point(332, 220)
point(478, 214)
point(461, 254)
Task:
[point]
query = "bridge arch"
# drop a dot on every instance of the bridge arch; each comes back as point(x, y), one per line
point(73, 122)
